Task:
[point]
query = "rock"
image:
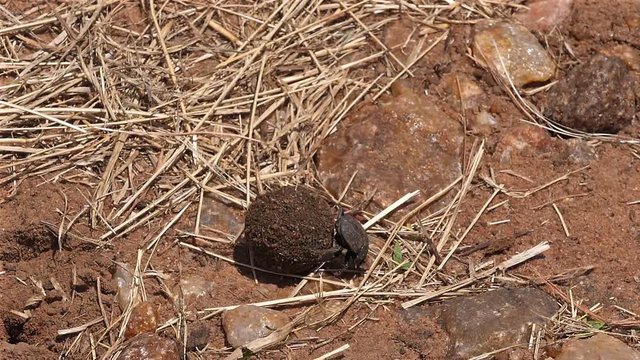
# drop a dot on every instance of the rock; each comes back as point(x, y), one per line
point(483, 123)
point(596, 96)
point(400, 144)
point(419, 330)
point(220, 216)
point(316, 316)
point(400, 38)
point(123, 277)
point(579, 152)
point(525, 60)
point(544, 15)
point(461, 86)
point(150, 347)
point(248, 322)
point(494, 320)
point(600, 346)
point(523, 139)
point(626, 53)
point(195, 286)
point(290, 229)
point(143, 319)
point(199, 335)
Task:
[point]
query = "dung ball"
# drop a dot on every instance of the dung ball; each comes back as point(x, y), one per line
point(290, 229)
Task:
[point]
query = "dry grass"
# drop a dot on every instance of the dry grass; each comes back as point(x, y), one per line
point(192, 100)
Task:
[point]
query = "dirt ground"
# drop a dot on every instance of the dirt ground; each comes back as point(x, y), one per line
point(595, 200)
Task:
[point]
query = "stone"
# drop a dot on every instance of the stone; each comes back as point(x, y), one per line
point(195, 286)
point(249, 322)
point(494, 320)
point(579, 152)
point(400, 37)
point(523, 139)
point(290, 229)
point(123, 277)
point(221, 217)
point(143, 319)
point(596, 96)
point(316, 316)
point(419, 330)
point(626, 53)
point(461, 87)
point(150, 347)
point(502, 42)
point(402, 143)
point(544, 15)
point(483, 123)
point(600, 346)
point(199, 336)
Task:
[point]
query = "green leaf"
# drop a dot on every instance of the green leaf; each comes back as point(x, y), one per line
point(596, 324)
point(398, 258)
point(397, 253)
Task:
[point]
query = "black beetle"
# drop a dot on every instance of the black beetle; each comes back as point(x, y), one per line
point(353, 237)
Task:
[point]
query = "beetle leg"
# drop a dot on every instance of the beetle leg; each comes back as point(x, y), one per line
point(331, 253)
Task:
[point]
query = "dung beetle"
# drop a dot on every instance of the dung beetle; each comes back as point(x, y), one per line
point(351, 236)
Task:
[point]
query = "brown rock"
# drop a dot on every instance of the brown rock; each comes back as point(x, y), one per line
point(248, 322)
point(143, 319)
point(400, 144)
point(596, 96)
point(626, 53)
point(461, 87)
point(150, 347)
point(524, 59)
point(523, 139)
point(544, 15)
point(600, 346)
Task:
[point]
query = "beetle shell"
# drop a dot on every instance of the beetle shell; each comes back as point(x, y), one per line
point(352, 236)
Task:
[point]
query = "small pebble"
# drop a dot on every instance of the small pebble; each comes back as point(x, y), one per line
point(143, 319)
point(199, 335)
point(123, 277)
point(524, 59)
point(248, 322)
point(150, 347)
point(544, 15)
point(462, 87)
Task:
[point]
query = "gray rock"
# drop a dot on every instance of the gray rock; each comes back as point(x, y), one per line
point(248, 322)
point(596, 96)
point(598, 347)
point(494, 320)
